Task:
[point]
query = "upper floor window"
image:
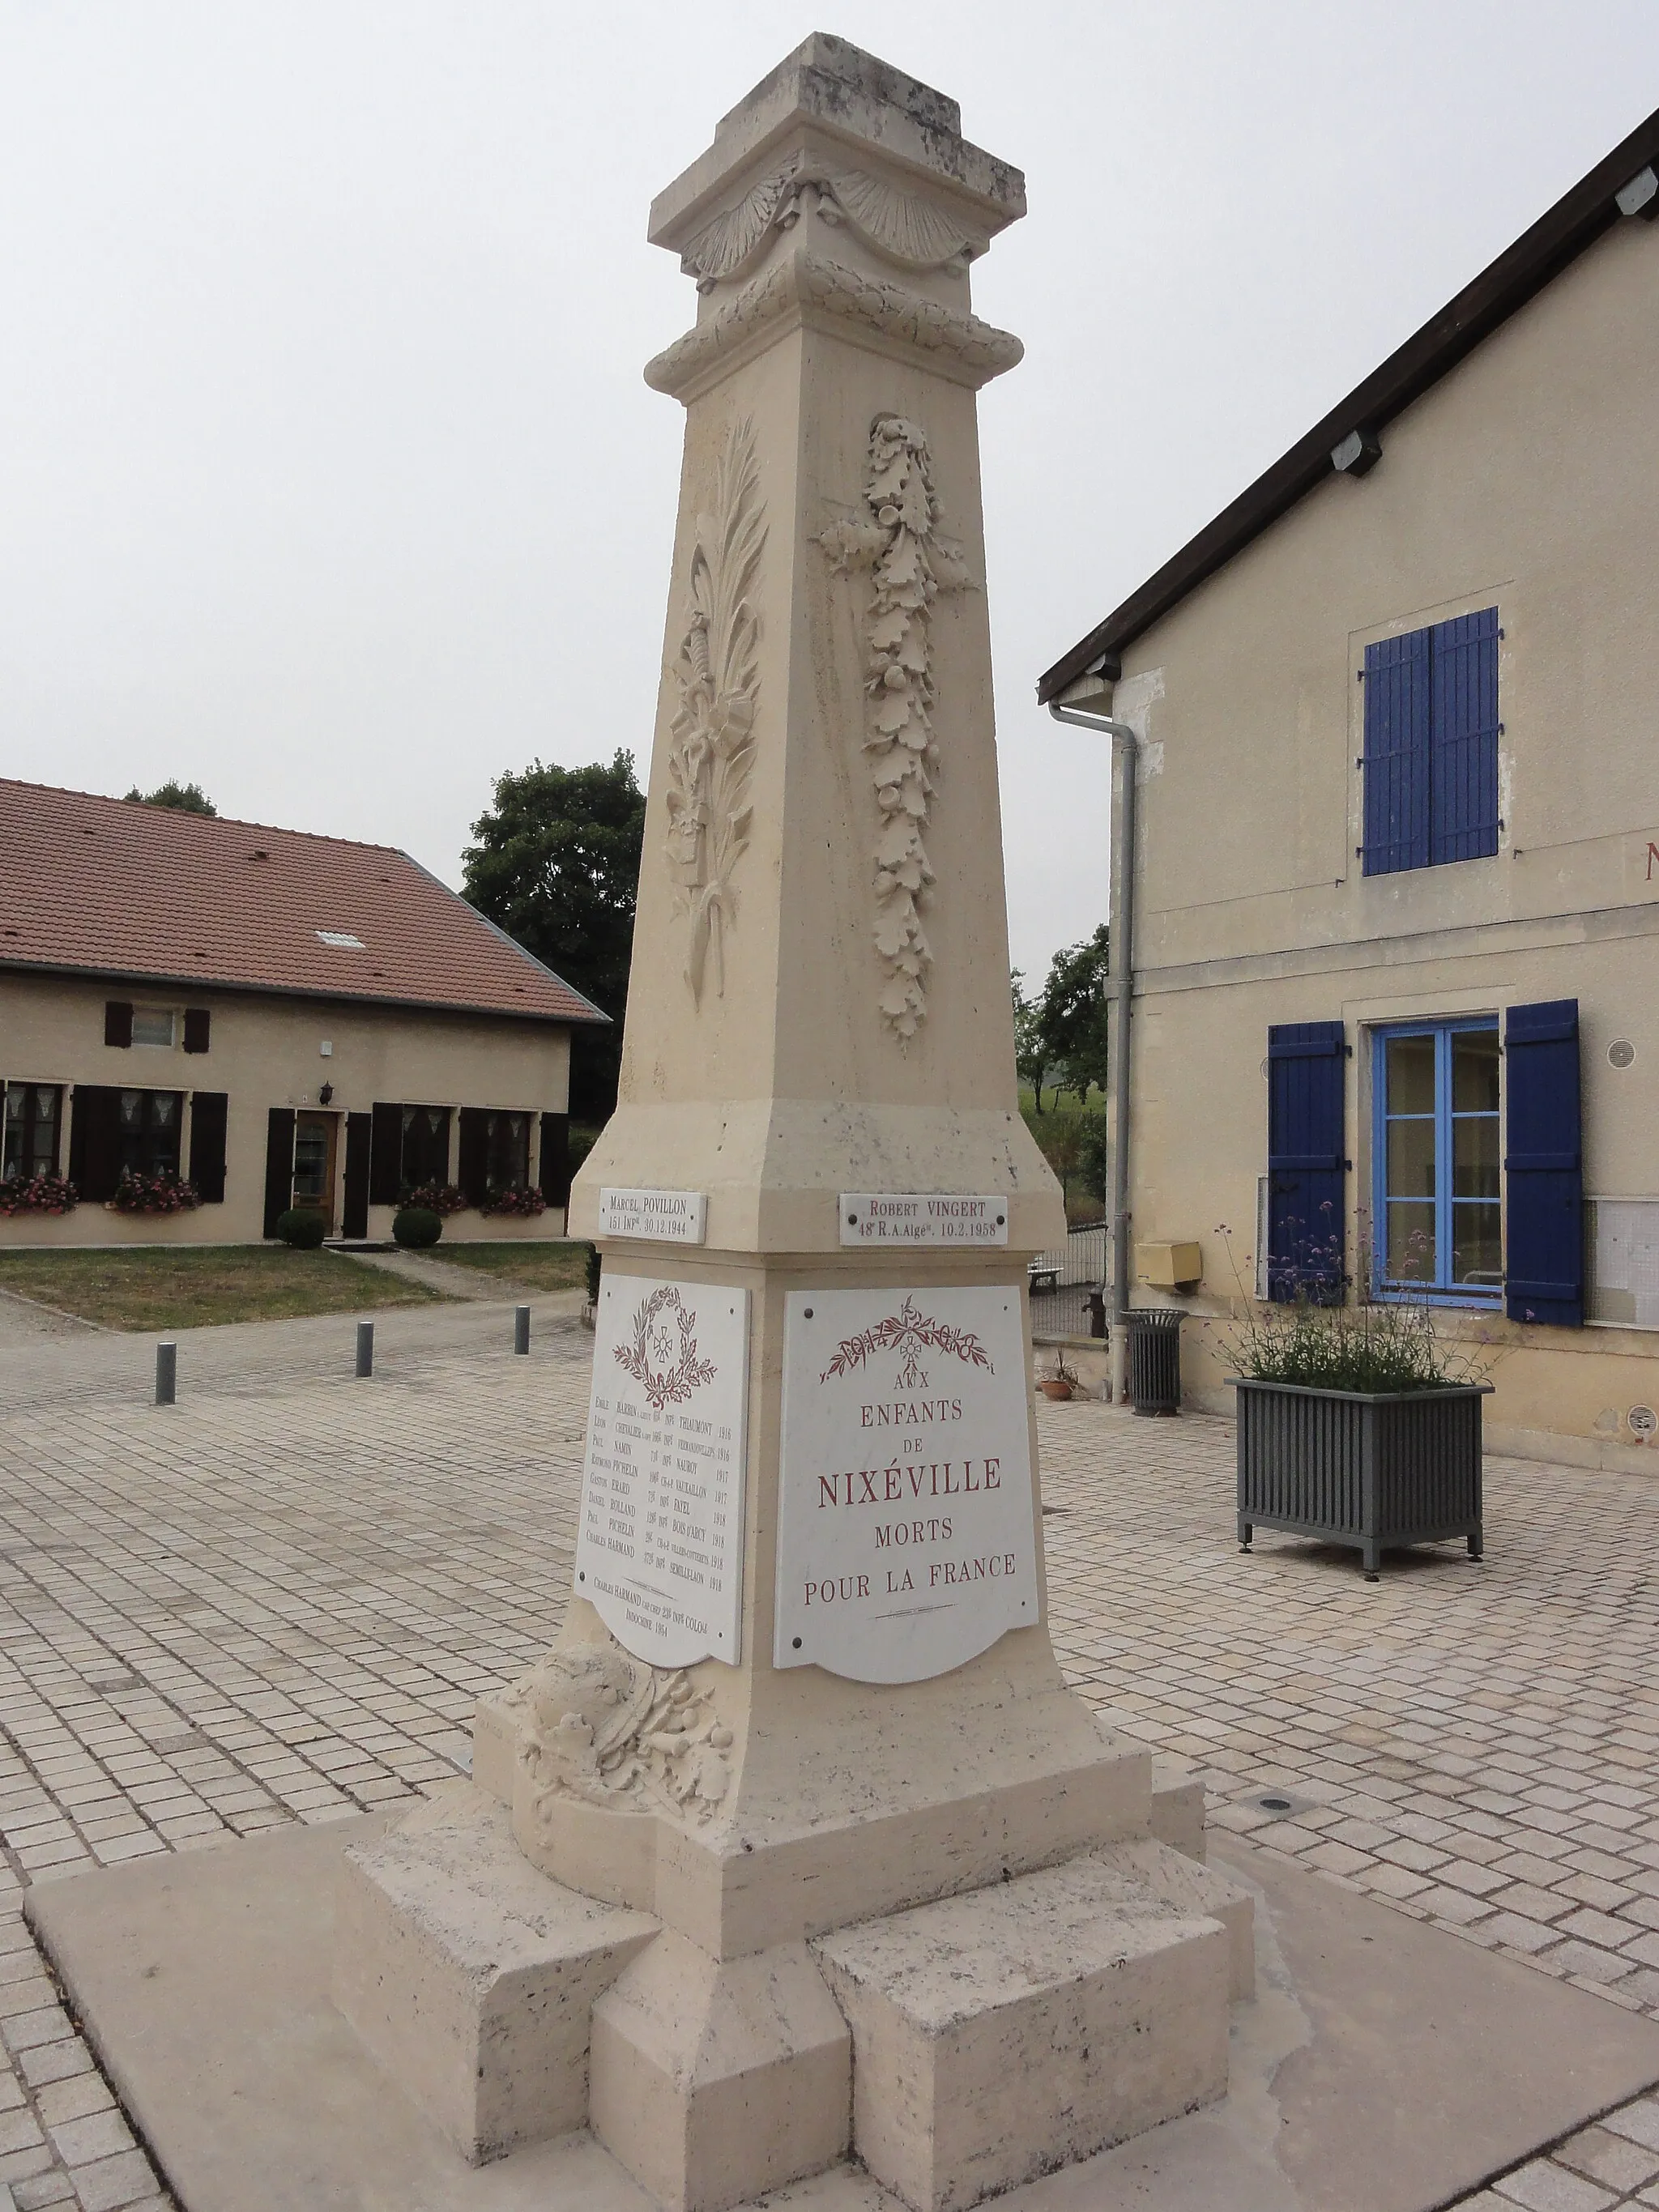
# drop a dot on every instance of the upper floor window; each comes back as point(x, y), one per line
point(34, 1113)
point(154, 1025)
point(1438, 1210)
point(1431, 732)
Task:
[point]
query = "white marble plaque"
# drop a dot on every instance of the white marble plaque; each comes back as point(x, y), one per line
point(660, 1542)
point(906, 1541)
point(668, 1217)
point(921, 1216)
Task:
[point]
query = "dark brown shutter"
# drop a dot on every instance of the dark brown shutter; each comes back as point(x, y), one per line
point(279, 1166)
point(118, 1021)
point(386, 1158)
point(353, 1221)
point(196, 1028)
point(554, 1175)
point(209, 1113)
point(475, 1154)
point(95, 1141)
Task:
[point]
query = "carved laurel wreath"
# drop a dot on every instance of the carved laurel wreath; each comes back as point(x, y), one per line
point(904, 228)
point(665, 1385)
point(711, 744)
point(898, 539)
point(909, 1332)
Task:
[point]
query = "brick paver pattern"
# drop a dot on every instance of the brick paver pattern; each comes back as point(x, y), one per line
point(244, 1611)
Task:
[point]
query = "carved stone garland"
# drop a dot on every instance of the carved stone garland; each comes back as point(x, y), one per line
point(898, 539)
point(611, 1729)
point(711, 738)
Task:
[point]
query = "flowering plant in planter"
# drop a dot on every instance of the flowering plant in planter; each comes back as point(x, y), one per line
point(1316, 1341)
point(526, 1203)
point(1357, 1424)
point(442, 1199)
point(154, 1194)
point(37, 1194)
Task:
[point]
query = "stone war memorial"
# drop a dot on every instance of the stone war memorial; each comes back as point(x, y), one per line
point(799, 1846)
point(794, 1869)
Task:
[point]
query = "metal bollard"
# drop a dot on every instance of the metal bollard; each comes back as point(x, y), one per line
point(521, 1328)
point(167, 1374)
point(365, 1348)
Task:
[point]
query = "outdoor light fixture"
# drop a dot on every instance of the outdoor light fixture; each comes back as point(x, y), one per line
point(326, 1094)
point(1640, 195)
point(1360, 450)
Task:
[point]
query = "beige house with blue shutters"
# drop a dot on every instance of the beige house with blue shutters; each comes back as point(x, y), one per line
point(1395, 878)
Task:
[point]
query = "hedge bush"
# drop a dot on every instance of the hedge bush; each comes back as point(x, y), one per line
point(414, 1227)
point(302, 1227)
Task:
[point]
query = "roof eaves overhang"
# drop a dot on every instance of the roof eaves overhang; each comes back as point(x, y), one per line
point(320, 995)
point(1523, 270)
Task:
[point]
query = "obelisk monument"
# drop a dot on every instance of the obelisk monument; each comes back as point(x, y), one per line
point(811, 1852)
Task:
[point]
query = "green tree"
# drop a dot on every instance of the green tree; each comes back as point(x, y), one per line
point(1029, 1056)
point(1071, 1015)
point(556, 863)
point(187, 797)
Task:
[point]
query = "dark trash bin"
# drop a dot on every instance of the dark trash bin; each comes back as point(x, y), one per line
point(1155, 1359)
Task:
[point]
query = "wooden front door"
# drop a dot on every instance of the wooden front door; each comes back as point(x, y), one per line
point(313, 1164)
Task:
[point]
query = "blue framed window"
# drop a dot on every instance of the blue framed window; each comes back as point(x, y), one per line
point(1436, 1152)
point(1431, 732)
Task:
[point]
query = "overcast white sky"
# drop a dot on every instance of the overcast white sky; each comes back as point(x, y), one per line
point(327, 475)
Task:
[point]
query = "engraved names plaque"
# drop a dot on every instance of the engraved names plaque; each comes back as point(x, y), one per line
point(659, 1539)
point(666, 1216)
point(906, 1539)
point(921, 1216)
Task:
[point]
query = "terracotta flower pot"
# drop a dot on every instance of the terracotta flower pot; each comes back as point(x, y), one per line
point(1051, 1386)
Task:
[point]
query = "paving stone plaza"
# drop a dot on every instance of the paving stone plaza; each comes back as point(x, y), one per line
point(277, 1601)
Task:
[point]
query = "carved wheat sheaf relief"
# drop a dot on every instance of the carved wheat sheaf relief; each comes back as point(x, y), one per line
point(897, 538)
point(711, 738)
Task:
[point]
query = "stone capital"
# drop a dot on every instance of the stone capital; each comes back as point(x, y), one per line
point(838, 157)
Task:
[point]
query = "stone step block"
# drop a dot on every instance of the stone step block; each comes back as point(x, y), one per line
point(714, 2081)
point(1177, 1806)
point(998, 2035)
point(1194, 1890)
point(470, 1976)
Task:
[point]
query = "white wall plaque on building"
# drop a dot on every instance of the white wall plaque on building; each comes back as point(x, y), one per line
point(906, 1540)
point(671, 1216)
point(921, 1216)
point(659, 1540)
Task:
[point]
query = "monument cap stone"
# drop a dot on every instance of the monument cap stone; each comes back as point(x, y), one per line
point(843, 95)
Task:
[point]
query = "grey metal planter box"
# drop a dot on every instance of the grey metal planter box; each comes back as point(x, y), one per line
point(1351, 1466)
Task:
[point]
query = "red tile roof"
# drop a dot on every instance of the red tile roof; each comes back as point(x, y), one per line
point(110, 887)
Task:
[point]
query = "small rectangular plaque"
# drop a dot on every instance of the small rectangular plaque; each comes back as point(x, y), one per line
point(669, 1217)
point(907, 1541)
point(921, 1216)
point(659, 1540)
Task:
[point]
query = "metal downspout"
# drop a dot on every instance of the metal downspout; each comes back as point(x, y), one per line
point(1120, 918)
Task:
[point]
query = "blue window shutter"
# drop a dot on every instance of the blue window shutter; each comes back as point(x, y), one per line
point(1543, 1274)
point(1397, 758)
point(1306, 1062)
point(1463, 771)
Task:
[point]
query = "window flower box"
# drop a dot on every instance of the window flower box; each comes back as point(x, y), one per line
point(525, 1204)
point(442, 1199)
point(152, 1193)
point(37, 1194)
point(1371, 1469)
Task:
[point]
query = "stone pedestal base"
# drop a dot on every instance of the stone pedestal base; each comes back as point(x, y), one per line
point(999, 2035)
point(957, 2047)
point(471, 1977)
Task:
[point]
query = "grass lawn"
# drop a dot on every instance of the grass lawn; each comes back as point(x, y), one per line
point(552, 1267)
point(191, 1286)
